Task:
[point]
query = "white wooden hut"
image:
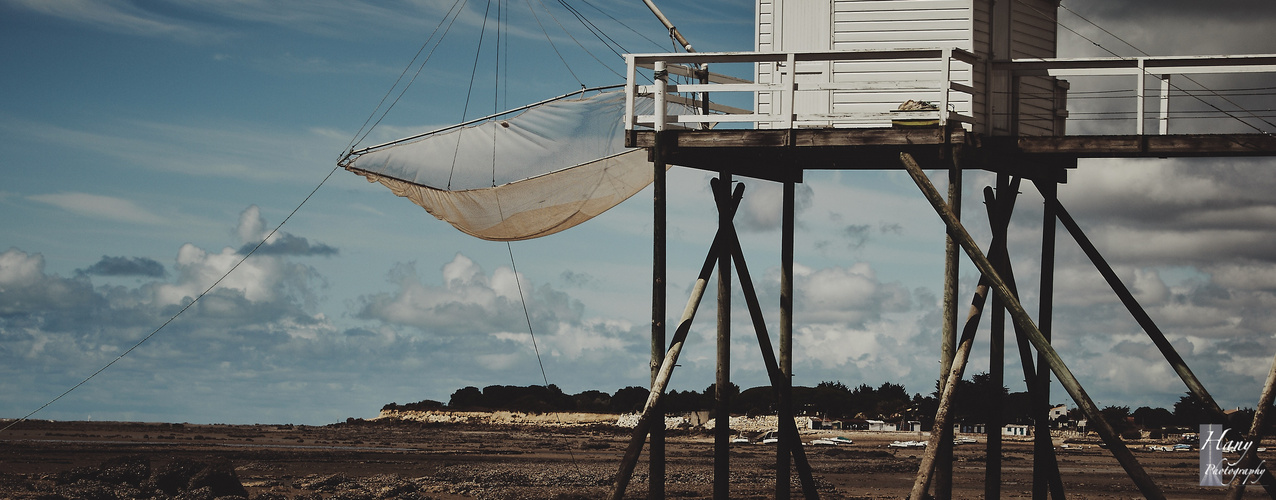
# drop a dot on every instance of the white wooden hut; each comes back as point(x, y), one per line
point(991, 30)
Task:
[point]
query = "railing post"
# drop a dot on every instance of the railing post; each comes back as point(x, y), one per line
point(662, 90)
point(631, 91)
point(946, 60)
point(790, 92)
point(1139, 94)
point(1165, 104)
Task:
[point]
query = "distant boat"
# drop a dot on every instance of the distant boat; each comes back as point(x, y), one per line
point(833, 441)
point(907, 444)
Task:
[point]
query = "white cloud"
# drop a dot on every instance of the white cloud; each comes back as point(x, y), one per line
point(101, 207)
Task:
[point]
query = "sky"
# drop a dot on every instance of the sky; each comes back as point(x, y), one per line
point(147, 145)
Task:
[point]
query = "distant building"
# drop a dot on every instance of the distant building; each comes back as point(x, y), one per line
point(1058, 412)
point(1016, 430)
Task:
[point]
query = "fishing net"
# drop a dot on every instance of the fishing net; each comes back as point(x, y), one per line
point(520, 175)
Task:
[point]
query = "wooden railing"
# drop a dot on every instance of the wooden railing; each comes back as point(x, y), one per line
point(1138, 69)
point(782, 114)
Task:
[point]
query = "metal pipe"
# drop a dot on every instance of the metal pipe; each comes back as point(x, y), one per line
point(1020, 316)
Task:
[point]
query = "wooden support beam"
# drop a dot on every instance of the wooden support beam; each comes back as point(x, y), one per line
point(643, 428)
point(1236, 489)
point(1043, 448)
point(788, 428)
point(948, 344)
point(656, 457)
point(785, 399)
point(1176, 361)
point(721, 392)
point(999, 207)
point(1020, 316)
point(1149, 146)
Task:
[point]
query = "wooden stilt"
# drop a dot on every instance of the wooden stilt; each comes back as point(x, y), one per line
point(656, 457)
point(1140, 315)
point(1040, 400)
point(785, 398)
point(1020, 316)
point(1176, 361)
point(722, 394)
point(1236, 489)
point(1051, 464)
point(641, 430)
point(930, 459)
point(788, 428)
point(999, 208)
point(948, 347)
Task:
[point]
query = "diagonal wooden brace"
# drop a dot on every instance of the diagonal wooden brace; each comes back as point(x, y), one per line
point(1021, 318)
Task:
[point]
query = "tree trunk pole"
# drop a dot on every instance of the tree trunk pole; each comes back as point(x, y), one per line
point(999, 208)
point(656, 457)
point(948, 348)
point(785, 398)
point(722, 395)
point(1140, 315)
point(1043, 446)
point(639, 436)
point(1020, 316)
point(788, 428)
point(1237, 488)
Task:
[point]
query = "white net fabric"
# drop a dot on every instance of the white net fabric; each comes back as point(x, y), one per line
point(549, 168)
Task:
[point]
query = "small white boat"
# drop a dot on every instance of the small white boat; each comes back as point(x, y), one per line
point(833, 441)
point(907, 444)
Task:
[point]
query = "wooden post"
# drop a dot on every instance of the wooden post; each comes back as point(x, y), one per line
point(639, 436)
point(999, 208)
point(785, 399)
point(788, 428)
point(1020, 317)
point(1237, 488)
point(943, 419)
point(656, 457)
point(948, 347)
point(1140, 315)
point(1040, 401)
point(722, 396)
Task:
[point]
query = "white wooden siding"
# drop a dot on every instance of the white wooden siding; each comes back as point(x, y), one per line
point(797, 25)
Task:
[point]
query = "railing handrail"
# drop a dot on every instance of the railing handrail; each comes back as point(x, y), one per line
point(788, 86)
point(1160, 67)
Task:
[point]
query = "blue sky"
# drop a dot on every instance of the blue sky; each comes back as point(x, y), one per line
point(145, 143)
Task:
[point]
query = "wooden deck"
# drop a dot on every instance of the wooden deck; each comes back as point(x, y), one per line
point(784, 154)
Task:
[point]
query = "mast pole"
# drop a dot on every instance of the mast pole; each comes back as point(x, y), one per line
point(668, 25)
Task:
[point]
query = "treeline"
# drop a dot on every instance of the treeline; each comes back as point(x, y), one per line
point(974, 403)
point(828, 399)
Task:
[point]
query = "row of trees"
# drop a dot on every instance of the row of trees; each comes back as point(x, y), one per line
point(975, 403)
point(831, 399)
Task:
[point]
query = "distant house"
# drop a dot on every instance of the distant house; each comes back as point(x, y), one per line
point(880, 425)
point(826, 423)
point(911, 426)
point(1016, 430)
point(965, 428)
point(1058, 412)
point(854, 424)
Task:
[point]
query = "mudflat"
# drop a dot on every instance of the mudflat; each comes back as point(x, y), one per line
point(398, 459)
